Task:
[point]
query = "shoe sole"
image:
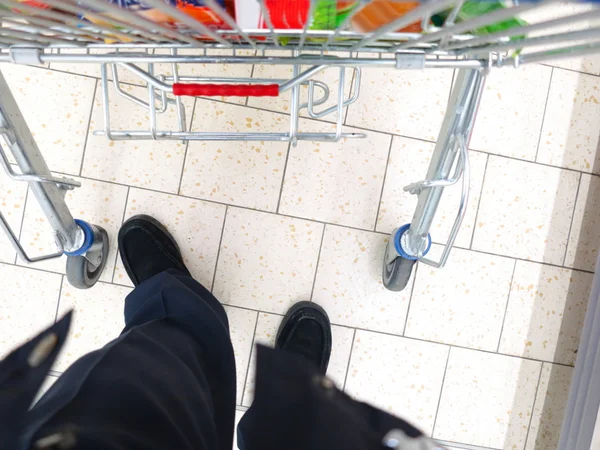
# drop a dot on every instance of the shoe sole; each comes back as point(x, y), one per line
point(297, 307)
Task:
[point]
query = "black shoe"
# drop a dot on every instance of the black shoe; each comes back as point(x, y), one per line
point(147, 248)
point(306, 331)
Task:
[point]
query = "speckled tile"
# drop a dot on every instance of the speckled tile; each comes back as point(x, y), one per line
point(150, 164)
point(401, 376)
point(409, 161)
point(487, 399)
point(12, 205)
point(584, 239)
point(335, 182)
point(555, 10)
point(511, 112)
point(95, 202)
point(545, 313)
point(407, 102)
point(462, 303)
point(196, 225)
point(266, 333)
point(97, 319)
point(330, 77)
point(549, 408)
point(349, 286)
point(27, 305)
point(245, 173)
point(242, 324)
point(525, 210)
point(571, 132)
point(267, 262)
point(57, 109)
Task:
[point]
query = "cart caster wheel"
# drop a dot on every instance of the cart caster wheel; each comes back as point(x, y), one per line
point(397, 274)
point(84, 270)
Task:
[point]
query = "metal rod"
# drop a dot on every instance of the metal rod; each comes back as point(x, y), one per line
point(346, 22)
point(404, 20)
point(536, 41)
point(469, 25)
point(219, 136)
point(33, 38)
point(518, 31)
point(295, 107)
point(30, 161)
point(79, 11)
point(266, 14)
point(52, 26)
point(559, 53)
point(300, 77)
point(187, 20)
point(212, 4)
point(457, 121)
point(309, 18)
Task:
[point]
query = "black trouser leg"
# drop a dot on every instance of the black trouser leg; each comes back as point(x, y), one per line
point(168, 382)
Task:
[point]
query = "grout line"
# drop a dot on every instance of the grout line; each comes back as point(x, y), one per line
point(252, 347)
point(412, 290)
point(570, 70)
point(327, 223)
point(461, 446)
point(122, 221)
point(87, 131)
point(314, 282)
point(487, 159)
point(22, 220)
point(89, 77)
point(212, 285)
point(437, 410)
point(387, 163)
point(537, 388)
point(285, 165)
point(349, 359)
point(187, 146)
point(62, 280)
point(564, 260)
point(512, 277)
point(537, 150)
point(386, 333)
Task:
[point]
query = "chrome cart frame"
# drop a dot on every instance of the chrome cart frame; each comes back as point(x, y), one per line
point(120, 40)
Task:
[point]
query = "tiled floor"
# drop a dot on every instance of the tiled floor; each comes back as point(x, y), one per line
point(477, 354)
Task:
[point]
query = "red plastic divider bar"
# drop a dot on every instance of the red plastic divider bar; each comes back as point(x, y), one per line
point(227, 90)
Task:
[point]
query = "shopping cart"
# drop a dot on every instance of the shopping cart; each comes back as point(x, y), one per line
point(120, 40)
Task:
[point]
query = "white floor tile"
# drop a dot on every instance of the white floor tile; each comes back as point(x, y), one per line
point(549, 408)
point(525, 210)
point(584, 239)
point(48, 382)
point(97, 319)
point(349, 285)
point(12, 205)
point(571, 133)
point(409, 161)
point(511, 112)
point(95, 202)
point(545, 313)
point(462, 303)
point(27, 305)
point(267, 262)
point(330, 77)
point(407, 102)
point(196, 226)
point(151, 164)
point(487, 399)
point(401, 376)
point(238, 416)
point(266, 334)
point(243, 173)
point(57, 109)
point(335, 182)
point(242, 323)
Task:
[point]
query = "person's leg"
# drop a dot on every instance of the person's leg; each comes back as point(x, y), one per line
point(169, 380)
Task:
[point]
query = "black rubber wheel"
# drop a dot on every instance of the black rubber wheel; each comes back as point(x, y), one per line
point(79, 272)
point(397, 274)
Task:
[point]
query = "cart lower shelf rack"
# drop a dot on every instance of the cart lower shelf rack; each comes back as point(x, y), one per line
point(122, 41)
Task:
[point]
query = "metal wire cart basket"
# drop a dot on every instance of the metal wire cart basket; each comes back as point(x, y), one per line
point(434, 34)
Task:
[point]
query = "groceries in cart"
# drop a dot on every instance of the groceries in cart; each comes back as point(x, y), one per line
point(353, 15)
